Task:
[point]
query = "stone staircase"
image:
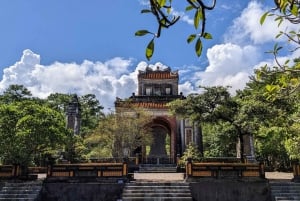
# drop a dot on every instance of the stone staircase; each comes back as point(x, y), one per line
point(156, 191)
point(21, 191)
point(152, 168)
point(285, 191)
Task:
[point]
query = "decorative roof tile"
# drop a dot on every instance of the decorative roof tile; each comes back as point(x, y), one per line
point(150, 105)
point(158, 74)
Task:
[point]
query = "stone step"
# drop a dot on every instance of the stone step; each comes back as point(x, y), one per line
point(16, 191)
point(287, 186)
point(156, 199)
point(137, 190)
point(157, 170)
point(159, 184)
point(19, 191)
point(277, 193)
point(273, 184)
point(24, 184)
point(157, 194)
point(17, 199)
point(289, 198)
point(19, 195)
point(23, 188)
point(156, 191)
point(285, 191)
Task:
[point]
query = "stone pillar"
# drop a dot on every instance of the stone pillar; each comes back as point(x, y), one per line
point(182, 134)
point(249, 152)
point(73, 115)
point(245, 146)
point(198, 137)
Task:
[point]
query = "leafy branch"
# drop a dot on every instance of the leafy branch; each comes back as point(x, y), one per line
point(161, 10)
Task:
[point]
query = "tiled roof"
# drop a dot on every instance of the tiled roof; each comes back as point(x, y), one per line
point(158, 75)
point(150, 105)
point(153, 105)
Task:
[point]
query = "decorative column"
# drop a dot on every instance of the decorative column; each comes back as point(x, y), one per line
point(73, 115)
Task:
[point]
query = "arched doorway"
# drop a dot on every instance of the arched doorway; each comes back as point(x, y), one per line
point(161, 150)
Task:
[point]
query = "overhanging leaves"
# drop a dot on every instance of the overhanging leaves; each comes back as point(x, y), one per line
point(198, 47)
point(263, 18)
point(150, 49)
point(142, 32)
point(191, 38)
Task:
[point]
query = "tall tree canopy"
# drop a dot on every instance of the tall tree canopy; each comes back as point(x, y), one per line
point(41, 123)
point(28, 129)
point(91, 109)
point(118, 135)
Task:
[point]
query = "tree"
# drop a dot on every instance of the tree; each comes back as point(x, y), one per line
point(219, 140)
point(28, 129)
point(119, 135)
point(15, 93)
point(91, 109)
point(213, 106)
point(91, 113)
point(276, 116)
point(191, 152)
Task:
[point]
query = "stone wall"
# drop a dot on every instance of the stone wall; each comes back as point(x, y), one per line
point(202, 190)
point(230, 190)
point(80, 191)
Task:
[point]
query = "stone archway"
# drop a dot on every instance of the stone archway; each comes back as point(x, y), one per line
point(163, 130)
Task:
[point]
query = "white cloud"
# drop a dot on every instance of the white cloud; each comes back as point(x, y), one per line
point(229, 65)
point(248, 26)
point(183, 17)
point(106, 80)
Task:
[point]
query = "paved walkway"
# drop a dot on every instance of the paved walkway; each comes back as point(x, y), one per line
point(273, 176)
point(159, 176)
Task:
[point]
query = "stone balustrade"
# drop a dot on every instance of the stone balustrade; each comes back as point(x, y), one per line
point(223, 170)
point(88, 170)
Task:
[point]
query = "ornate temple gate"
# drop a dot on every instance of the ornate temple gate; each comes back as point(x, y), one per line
point(157, 86)
point(163, 129)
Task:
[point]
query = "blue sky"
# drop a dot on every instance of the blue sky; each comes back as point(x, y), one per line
point(89, 46)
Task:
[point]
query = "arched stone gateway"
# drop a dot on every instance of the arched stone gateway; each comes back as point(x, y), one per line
point(156, 88)
point(164, 136)
point(171, 135)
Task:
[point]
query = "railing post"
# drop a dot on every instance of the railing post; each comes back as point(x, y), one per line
point(262, 170)
point(296, 170)
point(137, 159)
point(189, 167)
point(125, 167)
point(177, 159)
point(15, 171)
point(49, 171)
